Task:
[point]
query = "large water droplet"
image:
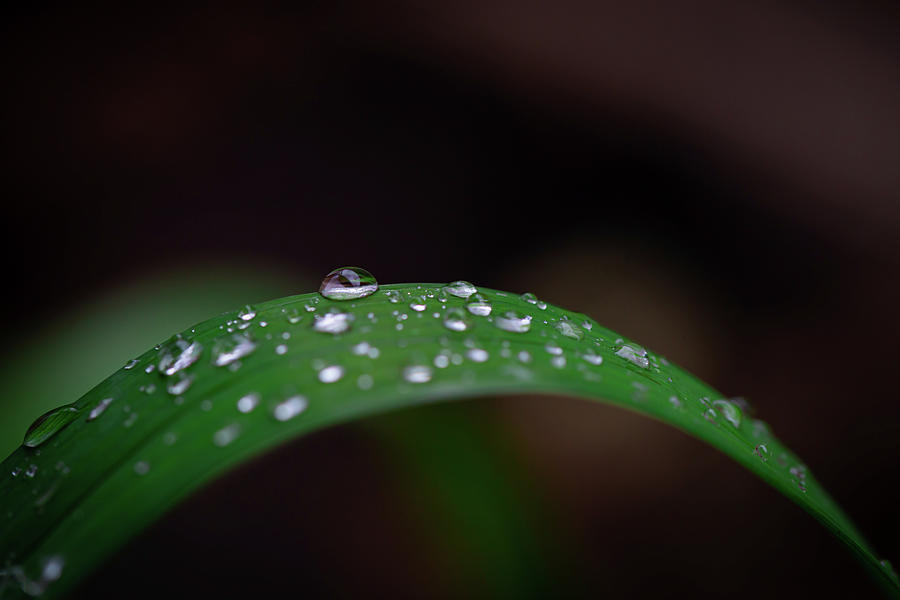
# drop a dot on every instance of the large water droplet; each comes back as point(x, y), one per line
point(178, 354)
point(348, 283)
point(49, 424)
point(290, 408)
point(513, 321)
point(455, 319)
point(634, 354)
point(730, 411)
point(334, 322)
point(229, 349)
point(99, 409)
point(460, 289)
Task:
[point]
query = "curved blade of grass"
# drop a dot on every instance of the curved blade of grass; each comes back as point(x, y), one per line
point(173, 418)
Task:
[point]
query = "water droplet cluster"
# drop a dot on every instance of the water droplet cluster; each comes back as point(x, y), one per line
point(357, 344)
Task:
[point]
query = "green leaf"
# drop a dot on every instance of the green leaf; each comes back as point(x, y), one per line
point(239, 384)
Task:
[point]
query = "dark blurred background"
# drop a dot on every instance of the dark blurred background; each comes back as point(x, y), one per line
point(717, 180)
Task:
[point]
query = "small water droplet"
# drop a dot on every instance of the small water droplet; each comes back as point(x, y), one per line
point(131, 364)
point(524, 356)
point(49, 424)
point(247, 313)
point(31, 471)
point(558, 361)
point(592, 357)
point(177, 355)
point(365, 381)
point(634, 354)
point(456, 320)
point(53, 568)
point(180, 385)
point(553, 349)
point(331, 374)
point(569, 329)
point(333, 322)
point(281, 349)
point(248, 402)
point(393, 296)
point(887, 566)
point(142, 467)
point(743, 404)
point(460, 289)
point(729, 411)
point(529, 298)
point(99, 409)
point(513, 321)
point(441, 361)
point(293, 315)
point(479, 306)
point(675, 401)
point(477, 355)
point(760, 429)
point(149, 368)
point(418, 303)
point(417, 374)
point(290, 408)
point(231, 348)
point(348, 283)
point(762, 451)
point(226, 435)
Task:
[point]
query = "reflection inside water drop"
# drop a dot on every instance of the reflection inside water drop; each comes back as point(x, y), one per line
point(634, 354)
point(513, 321)
point(49, 424)
point(460, 289)
point(348, 283)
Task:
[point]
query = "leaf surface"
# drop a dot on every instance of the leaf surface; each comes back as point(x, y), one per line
point(98, 472)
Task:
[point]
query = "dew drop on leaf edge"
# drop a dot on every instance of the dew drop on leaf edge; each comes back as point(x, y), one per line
point(348, 283)
point(49, 424)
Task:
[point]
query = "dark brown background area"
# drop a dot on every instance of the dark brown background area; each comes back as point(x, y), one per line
point(718, 180)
